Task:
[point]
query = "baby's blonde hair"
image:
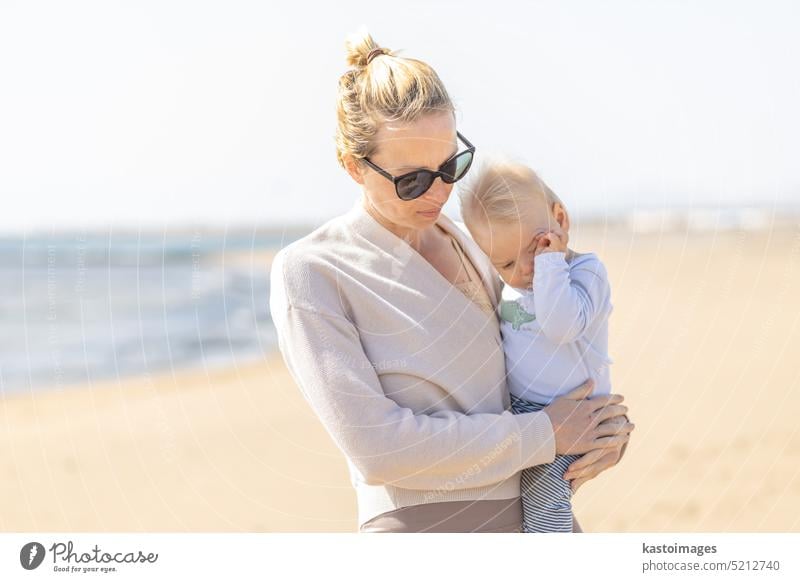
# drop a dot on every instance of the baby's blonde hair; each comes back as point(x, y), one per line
point(492, 192)
point(384, 88)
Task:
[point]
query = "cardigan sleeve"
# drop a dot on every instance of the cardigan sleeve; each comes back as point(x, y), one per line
point(386, 442)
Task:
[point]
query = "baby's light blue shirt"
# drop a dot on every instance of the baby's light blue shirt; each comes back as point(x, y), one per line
point(555, 336)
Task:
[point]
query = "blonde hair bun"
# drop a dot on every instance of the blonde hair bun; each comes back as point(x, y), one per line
point(361, 49)
point(400, 89)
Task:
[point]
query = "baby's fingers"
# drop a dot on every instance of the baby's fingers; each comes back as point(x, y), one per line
point(558, 238)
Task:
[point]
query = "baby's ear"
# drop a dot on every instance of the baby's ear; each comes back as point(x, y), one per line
point(561, 216)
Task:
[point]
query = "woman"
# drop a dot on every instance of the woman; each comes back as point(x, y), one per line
point(385, 317)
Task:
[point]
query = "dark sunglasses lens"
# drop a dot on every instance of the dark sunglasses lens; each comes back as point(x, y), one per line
point(457, 167)
point(415, 185)
point(464, 162)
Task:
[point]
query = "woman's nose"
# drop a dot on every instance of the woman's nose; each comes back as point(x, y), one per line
point(439, 192)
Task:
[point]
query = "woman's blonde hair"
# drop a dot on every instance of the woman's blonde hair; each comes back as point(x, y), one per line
point(380, 87)
point(493, 192)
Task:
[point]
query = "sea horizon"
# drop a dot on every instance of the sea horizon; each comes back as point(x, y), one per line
point(83, 305)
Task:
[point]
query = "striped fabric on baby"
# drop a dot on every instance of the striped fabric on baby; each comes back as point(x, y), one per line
point(546, 495)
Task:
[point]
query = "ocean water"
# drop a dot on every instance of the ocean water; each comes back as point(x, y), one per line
point(77, 308)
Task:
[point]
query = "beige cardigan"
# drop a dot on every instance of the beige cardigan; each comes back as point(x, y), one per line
point(406, 374)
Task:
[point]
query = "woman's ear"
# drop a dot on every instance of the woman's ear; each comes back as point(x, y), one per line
point(355, 169)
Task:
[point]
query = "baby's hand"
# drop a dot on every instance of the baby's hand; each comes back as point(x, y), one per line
point(551, 242)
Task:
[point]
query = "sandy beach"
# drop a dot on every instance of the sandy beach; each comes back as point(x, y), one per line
point(705, 337)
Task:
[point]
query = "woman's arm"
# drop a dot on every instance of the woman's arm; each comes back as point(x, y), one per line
point(386, 442)
point(389, 443)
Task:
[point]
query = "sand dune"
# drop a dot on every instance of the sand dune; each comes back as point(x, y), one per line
point(706, 340)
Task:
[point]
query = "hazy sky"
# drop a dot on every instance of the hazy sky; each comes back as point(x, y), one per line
point(167, 112)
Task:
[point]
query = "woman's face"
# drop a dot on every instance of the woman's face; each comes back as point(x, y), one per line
point(400, 148)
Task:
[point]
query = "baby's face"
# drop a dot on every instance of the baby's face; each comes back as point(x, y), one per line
point(511, 246)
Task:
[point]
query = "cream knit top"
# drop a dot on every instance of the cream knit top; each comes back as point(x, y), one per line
point(473, 288)
point(406, 374)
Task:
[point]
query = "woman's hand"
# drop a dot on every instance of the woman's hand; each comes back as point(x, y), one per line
point(595, 462)
point(592, 464)
point(579, 422)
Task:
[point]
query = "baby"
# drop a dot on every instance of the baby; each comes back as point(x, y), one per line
point(553, 314)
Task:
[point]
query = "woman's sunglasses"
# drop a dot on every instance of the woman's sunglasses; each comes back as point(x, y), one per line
point(414, 184)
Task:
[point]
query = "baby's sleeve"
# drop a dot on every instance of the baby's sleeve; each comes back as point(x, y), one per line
point(569, 298)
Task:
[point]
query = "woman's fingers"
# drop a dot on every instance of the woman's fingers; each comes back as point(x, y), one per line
point(581, 392)
point(610, 411)
point(576, 483)
point(605, 461)
point(575, 419)
point(609, 428)
point(607, 442)
point(584, 461)
point(598, 402)
point(613, 432)
point(593, 441)
point(623, 419)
